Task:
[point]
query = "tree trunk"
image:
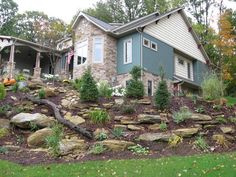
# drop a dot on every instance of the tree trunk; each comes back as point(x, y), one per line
point(58, 116)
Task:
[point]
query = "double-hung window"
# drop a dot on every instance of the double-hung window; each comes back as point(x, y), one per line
point(128, 51)
point(98, 43)
point(81, 52)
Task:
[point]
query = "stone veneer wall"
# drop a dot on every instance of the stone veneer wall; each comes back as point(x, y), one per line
point(101, 71)
point(122, 78)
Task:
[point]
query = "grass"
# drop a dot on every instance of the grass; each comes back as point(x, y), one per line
point(231, 100)
point(208, 165)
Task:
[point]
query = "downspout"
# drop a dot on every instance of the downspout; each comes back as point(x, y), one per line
point(141, 51)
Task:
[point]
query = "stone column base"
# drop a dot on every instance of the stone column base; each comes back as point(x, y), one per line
point(10, 70)
point(37, 74)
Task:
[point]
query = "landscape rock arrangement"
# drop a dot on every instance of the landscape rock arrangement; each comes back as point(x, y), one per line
point(119, 133)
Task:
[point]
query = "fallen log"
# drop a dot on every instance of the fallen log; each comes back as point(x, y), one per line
point(60, 119)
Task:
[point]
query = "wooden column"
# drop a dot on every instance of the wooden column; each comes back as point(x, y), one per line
point(37, 69)
point(11, 63)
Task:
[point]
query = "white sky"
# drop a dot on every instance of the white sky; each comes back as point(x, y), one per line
point(66, 9)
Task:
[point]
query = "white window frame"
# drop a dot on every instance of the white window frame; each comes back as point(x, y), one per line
point(155, 49)
point(148, 45)
point(78, 45)
point(152, 86)
point(125, 51)
point(102, 48)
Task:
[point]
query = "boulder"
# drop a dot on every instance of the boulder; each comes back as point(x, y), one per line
point(145, 101)
point(74, 119)
point(186, 132)
point(37, 139)
point(154, 127)
point(207, 122)
point(134, 128)
point(128, 121)
point(117, 145)
point(50, 92)
point(228, 129)
point(4, 123)
point(155, 136)
point(25, 120)
point(3, 132)
point(107, 105)
point(72, 146)
point(150, 119)
point(200, 117)
point(119, 101)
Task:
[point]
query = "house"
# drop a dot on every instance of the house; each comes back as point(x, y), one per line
point(151, 42)
point(18, 55)
point(111, 51)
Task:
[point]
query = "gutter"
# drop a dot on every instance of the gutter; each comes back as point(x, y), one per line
point(141, 51)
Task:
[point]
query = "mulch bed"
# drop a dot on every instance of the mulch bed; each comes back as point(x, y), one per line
point(23, 156)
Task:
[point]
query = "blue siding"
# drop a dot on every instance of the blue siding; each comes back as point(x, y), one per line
point(125, 68)
point(164, 56)
point(199, 71)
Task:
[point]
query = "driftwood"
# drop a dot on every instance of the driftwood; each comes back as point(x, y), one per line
point(58, 116)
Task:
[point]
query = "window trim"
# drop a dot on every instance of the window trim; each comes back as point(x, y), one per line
point(81, 44)
point(102, 59)
point(124, 51)
point(155, 45)
point(148, 45)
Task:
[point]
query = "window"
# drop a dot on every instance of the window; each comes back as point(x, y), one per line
point(128, 51)
point(189, 70)
point(149, 88)
point(127, 83)
point(154, 46)
point(146, 42)
point(98, 49)
point(180, 61)
point(63, 62)
point(81, 52)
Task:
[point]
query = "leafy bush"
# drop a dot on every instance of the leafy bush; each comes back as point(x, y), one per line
point(175, 140)
point(2, 92)
point(99, 116)
point(104, 89)
point(163, 126)
point(135, 88)
point(221, 140)
point(221, 120)
point(128, 109)
point(162, 96)
point(201, 143)
point(98, 149)
point(15, 87)
point(77, 84)
point(88, 90)
point(5, 108)
point(139, 150)
point(118, 91)
point(200, 109)
point(42, 94)
point(117, 132)
point(102, 136)
point(212, 87)
point(54, 140)
point(3, 150)
point(20, 77)
point(181, 115)
point(3, 132)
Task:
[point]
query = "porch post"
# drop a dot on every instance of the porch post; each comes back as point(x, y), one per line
point(37, 69)
point(11, 63)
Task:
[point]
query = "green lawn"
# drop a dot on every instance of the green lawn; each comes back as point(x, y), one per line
point(231, 100)
point(214, 165)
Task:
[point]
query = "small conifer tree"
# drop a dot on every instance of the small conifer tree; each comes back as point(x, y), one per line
point(135, 88)
point(162, 95)
point(88, 89)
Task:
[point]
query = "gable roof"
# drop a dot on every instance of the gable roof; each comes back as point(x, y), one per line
point(99, 23)
point(139, 24)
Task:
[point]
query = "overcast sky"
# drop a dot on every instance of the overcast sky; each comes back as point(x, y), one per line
point(66, 9)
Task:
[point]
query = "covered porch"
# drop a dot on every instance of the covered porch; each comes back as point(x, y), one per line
point(21, 56)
